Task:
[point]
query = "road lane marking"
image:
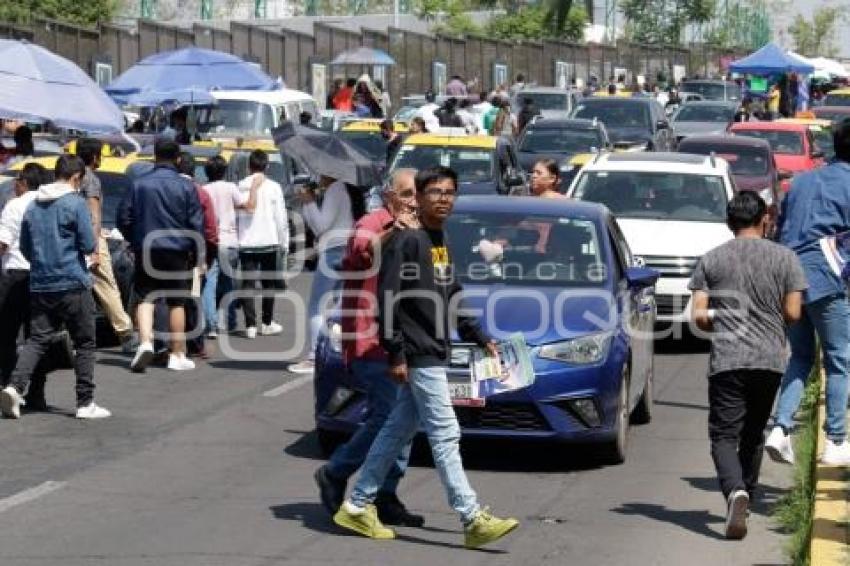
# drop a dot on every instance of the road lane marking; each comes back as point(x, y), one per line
point(288, 386)
point(30, 494)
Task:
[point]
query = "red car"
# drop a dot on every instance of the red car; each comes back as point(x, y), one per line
point(793, 145)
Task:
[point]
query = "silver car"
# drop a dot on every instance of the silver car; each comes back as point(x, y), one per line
point(703, 118)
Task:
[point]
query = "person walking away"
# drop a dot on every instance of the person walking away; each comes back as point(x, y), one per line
point(220, 278)
point(15, 283)
point(194, 315)
point(744, 293)
point(518, 85)
point(428, 112)
point(161, 218)
point(393, 139)
point(365, 357)
point(263, 243)
point(385, 101)
point(447, 115)
point(480, 110)
point(815, 207)
point(527, 113)
point(545, 179)
point(505, 123)
point(418, 347)
point(331, 224)
point(105, 288)
point(57, 238)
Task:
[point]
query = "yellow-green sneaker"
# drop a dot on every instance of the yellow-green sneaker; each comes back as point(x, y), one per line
point(364, 522)
point(485, 528)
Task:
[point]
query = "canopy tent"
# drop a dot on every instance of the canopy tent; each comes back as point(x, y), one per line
point(363, 56)
point(186, 76)
point(819, 72)
point(771, 59)
point(831, 66)
point(40, 86)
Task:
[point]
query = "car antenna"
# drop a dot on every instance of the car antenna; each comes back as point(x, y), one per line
point(713, 161)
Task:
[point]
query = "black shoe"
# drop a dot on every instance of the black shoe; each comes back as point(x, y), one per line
point(391, 511)
point(36, 404)
point(331, 490)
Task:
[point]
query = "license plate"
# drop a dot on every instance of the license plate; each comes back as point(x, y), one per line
point(461, 395)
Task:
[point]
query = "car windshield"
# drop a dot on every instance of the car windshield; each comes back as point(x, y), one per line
point(747, 161)
point(786, 143)
point(714, 91)
point(370, 144)
point(114, 187)
point(705, 113)
point(471, 164)
point(237, 116)
point(837, 100)
point(615, 113)
point(536, 250)
point(658, 196)
point(544, 100)
point(540, 140)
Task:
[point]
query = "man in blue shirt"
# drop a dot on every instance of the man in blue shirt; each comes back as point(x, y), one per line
point(818, 205)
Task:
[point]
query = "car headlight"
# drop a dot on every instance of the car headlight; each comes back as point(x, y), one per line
point(335, 336)
point(767, 195)
point(583, 350)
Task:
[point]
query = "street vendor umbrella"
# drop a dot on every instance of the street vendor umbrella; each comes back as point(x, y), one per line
point(363, 56)
point(186, 76)
point(326, 154)
point(40, 86)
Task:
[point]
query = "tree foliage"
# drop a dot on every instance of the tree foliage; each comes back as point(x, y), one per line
point(816, 37)
point(88, 12)
point(663, 21)
point(538, 22)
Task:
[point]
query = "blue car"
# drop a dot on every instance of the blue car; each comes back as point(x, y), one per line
point(561, 273)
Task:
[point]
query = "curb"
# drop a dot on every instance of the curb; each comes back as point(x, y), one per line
point(831, 514)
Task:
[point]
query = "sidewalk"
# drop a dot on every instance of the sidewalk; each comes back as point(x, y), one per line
point(831, 515)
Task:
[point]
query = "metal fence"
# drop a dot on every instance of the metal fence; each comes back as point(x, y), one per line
point(422, 59)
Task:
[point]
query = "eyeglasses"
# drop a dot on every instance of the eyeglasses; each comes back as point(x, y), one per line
point(405, 193)
point(437, 194)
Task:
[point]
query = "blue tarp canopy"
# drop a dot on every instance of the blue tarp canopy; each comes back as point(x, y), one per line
point(186, 76)
point(771, 59)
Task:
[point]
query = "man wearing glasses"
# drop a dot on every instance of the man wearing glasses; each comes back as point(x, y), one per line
point(416, 286)
point(15, 281)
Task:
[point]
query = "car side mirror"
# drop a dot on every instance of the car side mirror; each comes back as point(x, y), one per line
point(301, 179)
point(641, 277)
point(785, 175)
point(818, 154)
point(662, 125)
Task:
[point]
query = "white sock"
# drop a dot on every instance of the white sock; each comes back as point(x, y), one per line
point(352, 509)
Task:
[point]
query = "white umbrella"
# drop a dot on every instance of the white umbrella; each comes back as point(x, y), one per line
point(40, 86)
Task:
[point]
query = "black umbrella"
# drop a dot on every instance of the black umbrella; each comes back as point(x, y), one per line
point(326, 154)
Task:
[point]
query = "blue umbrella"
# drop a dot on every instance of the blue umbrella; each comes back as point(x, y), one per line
point(186, 76)
point(363, 56)
point(40, 86)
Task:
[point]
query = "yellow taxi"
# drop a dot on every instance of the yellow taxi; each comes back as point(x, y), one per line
point(837, 97)
point(821, 132)
point(484, 164)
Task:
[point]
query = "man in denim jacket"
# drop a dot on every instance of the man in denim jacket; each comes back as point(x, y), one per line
point(56, 237)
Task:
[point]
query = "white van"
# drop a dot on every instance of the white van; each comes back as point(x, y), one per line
point(671, 208)
point(254, 112)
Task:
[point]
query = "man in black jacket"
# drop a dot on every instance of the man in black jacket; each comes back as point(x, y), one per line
point(415, 290)
point(161, 217)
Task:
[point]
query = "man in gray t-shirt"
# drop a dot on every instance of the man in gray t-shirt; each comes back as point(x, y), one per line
point(745, 292)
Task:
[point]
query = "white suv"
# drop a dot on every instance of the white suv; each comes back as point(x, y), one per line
point(671, 208)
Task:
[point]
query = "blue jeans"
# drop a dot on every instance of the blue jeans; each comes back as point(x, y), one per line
point(424, 400)
point(829, 318)
point(218, 283)
point(382, 394)
point(324, 282)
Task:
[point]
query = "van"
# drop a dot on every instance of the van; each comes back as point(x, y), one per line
point(253, 112)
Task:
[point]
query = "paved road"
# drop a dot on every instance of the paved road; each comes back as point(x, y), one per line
point(204, 469)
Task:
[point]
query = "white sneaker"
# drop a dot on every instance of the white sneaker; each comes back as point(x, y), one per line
point(778, 446)
point(736, 514)
point(271, 329)
point(11, 402)
point(251, 332)
point(306, 366)
point(836, 454)
point(93, 411)
point(179, 362)
point(212, 334)
point(143, 357)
